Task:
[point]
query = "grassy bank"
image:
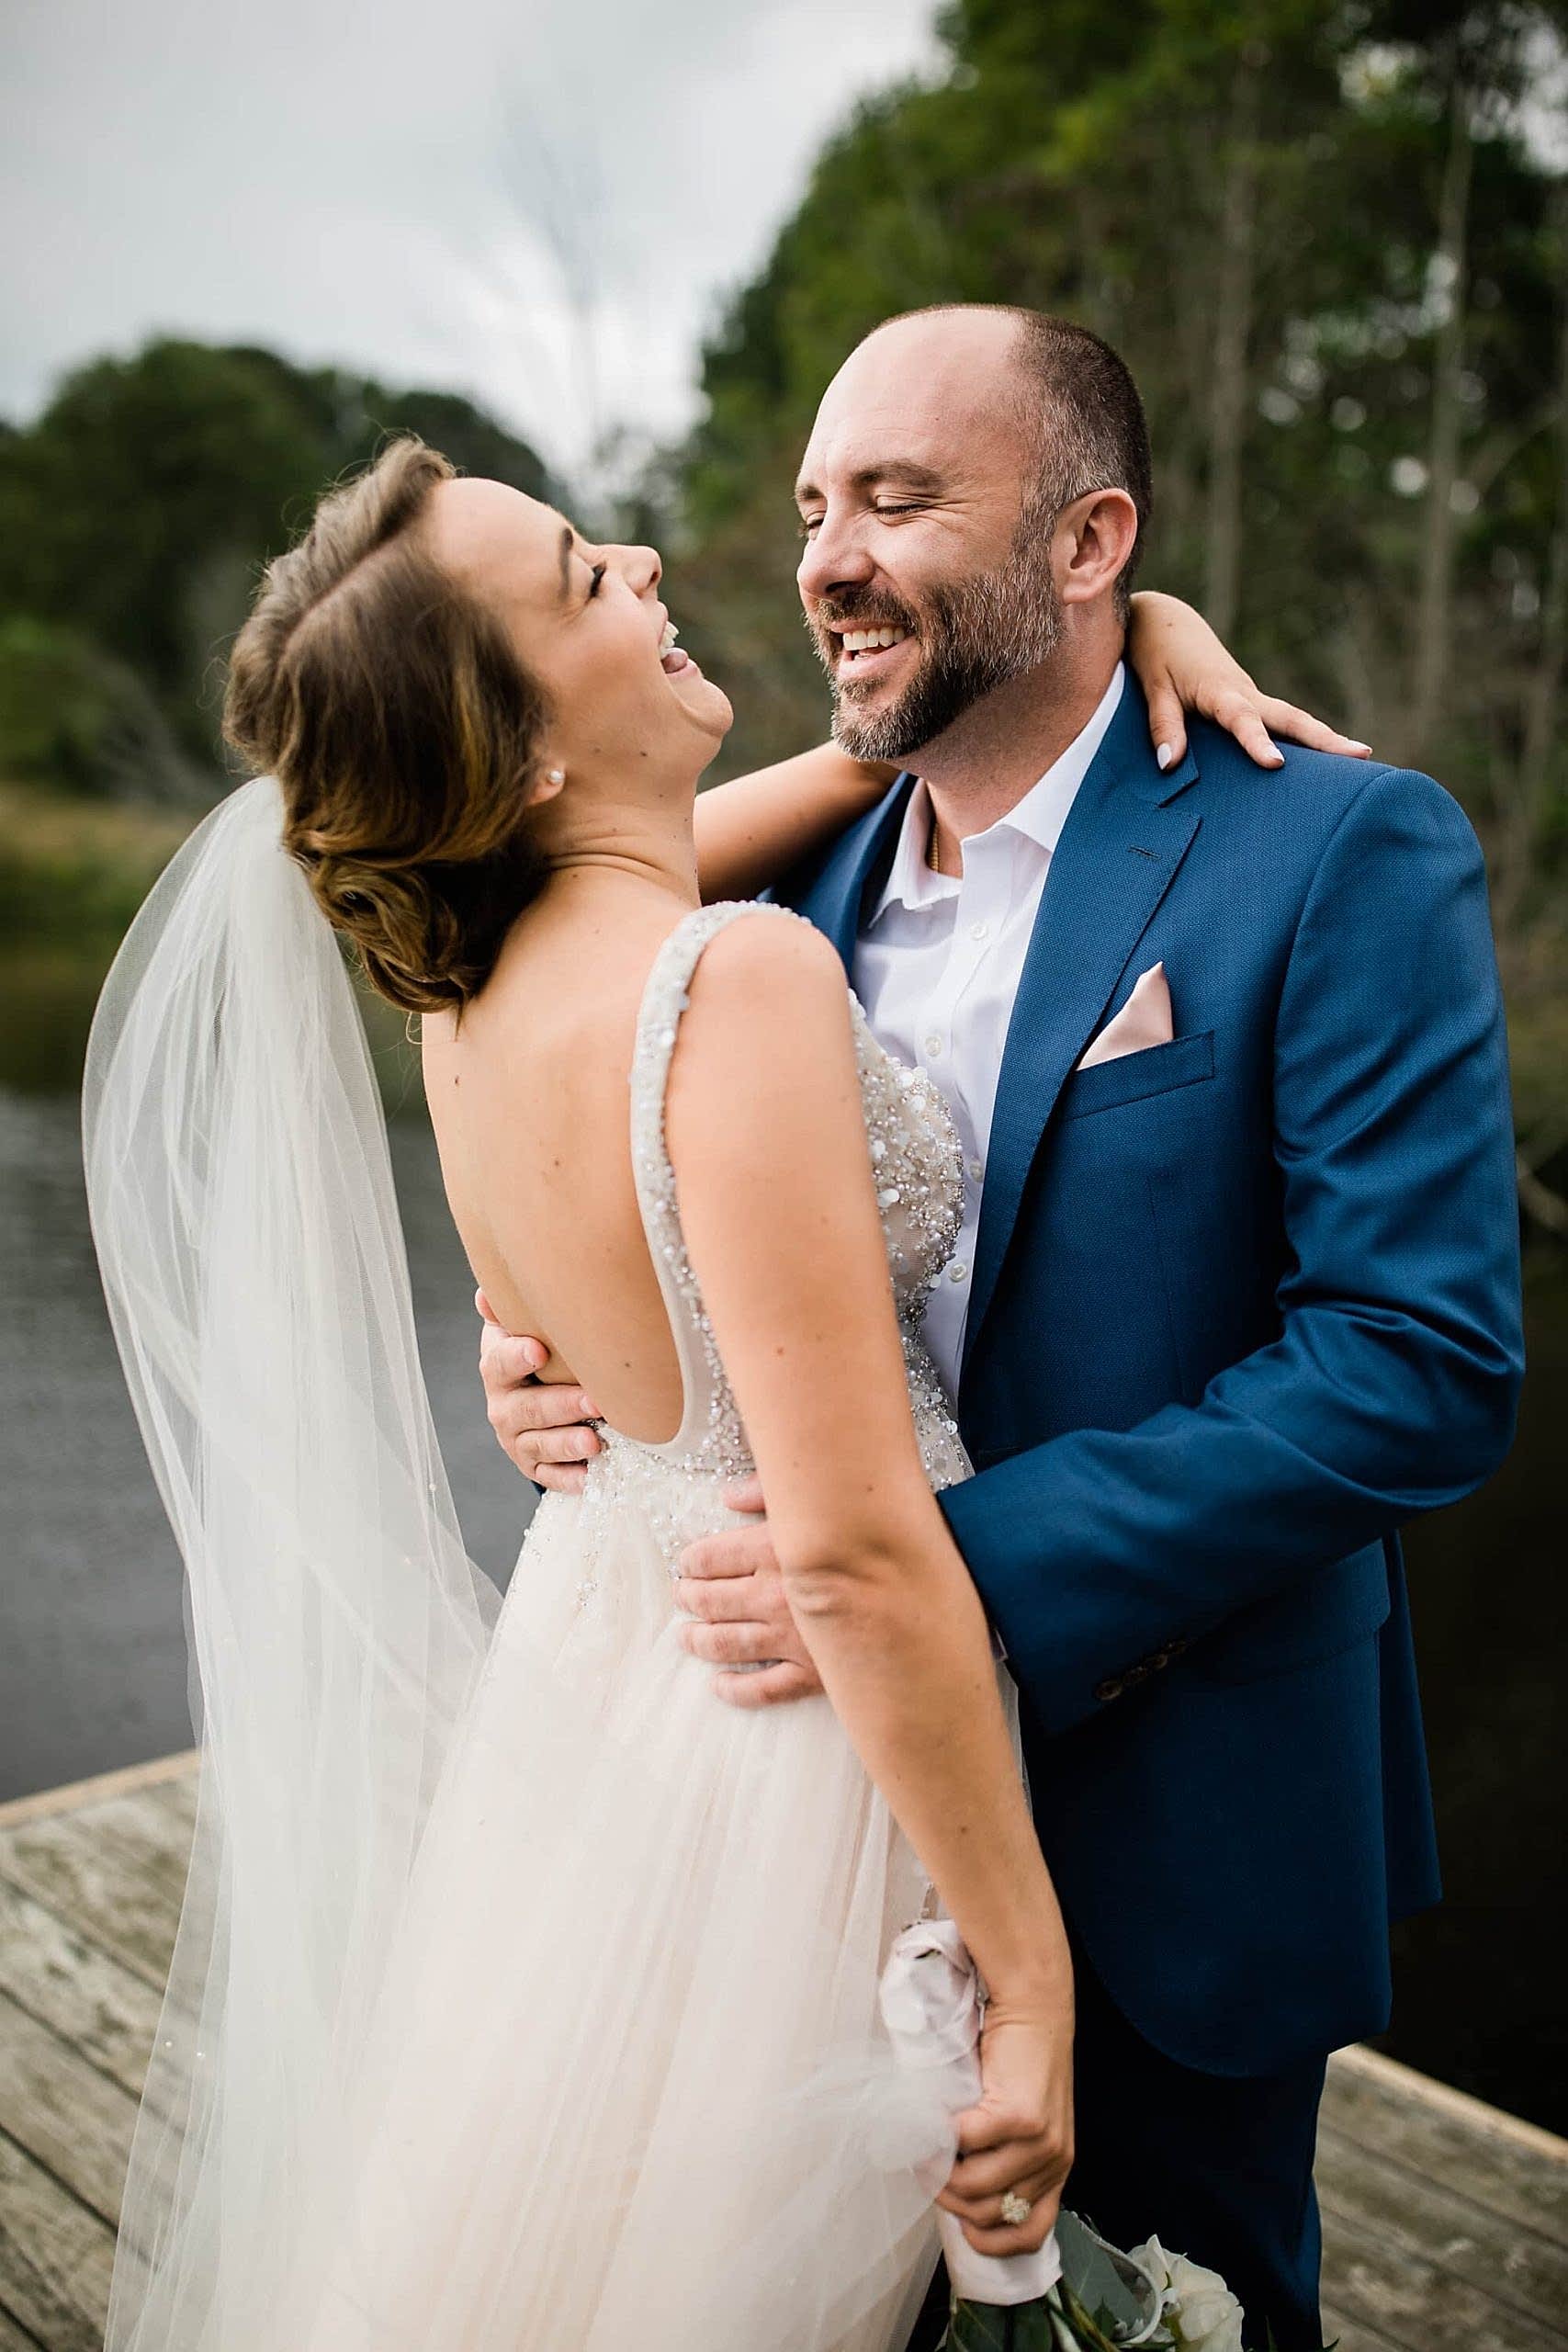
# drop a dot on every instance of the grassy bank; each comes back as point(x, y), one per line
point(73, 873)
point(76, 870)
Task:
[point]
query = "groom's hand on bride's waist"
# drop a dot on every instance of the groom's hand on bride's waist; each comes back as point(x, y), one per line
point(540, 1426)
point(731, 1585)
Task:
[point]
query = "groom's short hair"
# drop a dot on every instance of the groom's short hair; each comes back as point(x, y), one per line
point(1081, 403)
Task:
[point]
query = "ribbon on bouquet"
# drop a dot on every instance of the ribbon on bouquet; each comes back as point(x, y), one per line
point(932, 2007)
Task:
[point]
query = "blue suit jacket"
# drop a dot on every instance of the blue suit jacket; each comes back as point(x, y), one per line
point(1242, 1303)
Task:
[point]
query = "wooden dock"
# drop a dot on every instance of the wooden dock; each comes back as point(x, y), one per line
point(1445, 2222)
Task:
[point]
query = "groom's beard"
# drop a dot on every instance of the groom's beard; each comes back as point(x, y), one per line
point(972, 636)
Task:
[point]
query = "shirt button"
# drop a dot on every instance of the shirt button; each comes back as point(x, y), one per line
point(976, 1169)
point(980, 931)
point(958, 1271)
point(933, 1047)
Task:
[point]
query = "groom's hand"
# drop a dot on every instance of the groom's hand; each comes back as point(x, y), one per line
point(540, 1426)
point(732, 1585)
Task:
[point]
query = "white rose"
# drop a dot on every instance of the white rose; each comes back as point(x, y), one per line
point(1196, 2305)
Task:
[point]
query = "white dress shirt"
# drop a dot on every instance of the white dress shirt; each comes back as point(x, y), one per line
point(937, 967)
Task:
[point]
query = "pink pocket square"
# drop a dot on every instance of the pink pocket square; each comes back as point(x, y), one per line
point(1144, 1020)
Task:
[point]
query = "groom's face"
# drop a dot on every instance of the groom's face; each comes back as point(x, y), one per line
point(925, 578)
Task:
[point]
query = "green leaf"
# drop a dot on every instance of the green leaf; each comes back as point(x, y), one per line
point(1058, 2322)
point(1094, 2331)
point(1104, 2281)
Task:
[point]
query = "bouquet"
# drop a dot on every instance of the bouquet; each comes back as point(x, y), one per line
point(1078, 2293)
point(1103, 2300)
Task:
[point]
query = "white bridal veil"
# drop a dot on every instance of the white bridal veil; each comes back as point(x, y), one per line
point(242, 1203)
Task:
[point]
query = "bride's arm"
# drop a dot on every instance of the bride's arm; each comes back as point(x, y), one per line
point(780, 1215)
point(752, 831)
point(1183, 666)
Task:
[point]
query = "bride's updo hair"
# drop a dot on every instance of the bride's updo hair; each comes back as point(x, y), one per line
point(403, 732)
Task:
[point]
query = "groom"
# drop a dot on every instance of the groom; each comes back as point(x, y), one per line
point(1238, 1288)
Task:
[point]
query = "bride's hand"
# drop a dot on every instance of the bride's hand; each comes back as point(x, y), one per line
point(1183, 666)
point(1018, 2135)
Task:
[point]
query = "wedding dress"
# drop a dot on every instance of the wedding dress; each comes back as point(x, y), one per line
point(661, 2114)
point(526, 1995)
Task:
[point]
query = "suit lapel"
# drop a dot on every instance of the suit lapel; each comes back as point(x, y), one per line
point(859, 862)
point(1118, 854)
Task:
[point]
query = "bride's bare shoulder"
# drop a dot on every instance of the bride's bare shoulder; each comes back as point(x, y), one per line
point(569, 1003)
point(767, 1032)
point(765, 960)
point(567, 980)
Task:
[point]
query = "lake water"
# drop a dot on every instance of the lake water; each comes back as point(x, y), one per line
point(91, 1642)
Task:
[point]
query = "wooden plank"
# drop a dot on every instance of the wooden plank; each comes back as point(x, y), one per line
point(144, 1830)
point(176, 1796)
point(74, 2120)
point(15, 2339)
point(74, 1793)
point(1344, 2335)
point(104, 1885)
point(1361, 2063)
point(56, 2256)
point(1458, 2143)
point(1518, 2266)
point(81, 1994)
point(1415, 2305)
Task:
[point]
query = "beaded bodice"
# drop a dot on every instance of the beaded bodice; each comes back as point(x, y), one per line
point(915, 1160)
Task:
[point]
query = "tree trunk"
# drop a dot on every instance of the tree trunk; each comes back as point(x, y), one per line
point(1231, 338)
point(1543, 693)
point(1434, 623)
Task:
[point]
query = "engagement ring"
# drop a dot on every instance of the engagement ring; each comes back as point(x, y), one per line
point(1015, 2209)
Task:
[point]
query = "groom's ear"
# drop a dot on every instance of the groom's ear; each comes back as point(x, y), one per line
point(1093, 544)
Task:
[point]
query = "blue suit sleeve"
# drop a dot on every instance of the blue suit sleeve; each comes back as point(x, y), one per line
point(1393, 1385)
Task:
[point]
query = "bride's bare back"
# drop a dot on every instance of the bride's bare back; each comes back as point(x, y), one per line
point(528, 1097)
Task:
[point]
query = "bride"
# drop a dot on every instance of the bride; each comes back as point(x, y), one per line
point(523, 1996)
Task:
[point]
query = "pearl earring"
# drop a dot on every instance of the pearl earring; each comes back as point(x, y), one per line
point(555, 775)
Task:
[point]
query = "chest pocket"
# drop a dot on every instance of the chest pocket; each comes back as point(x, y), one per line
point(1136, 1077)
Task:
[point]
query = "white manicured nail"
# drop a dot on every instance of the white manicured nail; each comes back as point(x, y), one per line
point(1164, 756)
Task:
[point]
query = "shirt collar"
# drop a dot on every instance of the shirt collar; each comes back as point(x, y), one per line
point(1042, 813)
point(911, 880)
point(1039, 817)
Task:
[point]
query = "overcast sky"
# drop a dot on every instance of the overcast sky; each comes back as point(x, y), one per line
point(538, 202)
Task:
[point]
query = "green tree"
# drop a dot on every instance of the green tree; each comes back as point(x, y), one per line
point(135, 513)
point(1336, 260)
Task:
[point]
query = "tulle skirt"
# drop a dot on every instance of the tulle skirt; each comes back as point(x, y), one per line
point(627, 2088)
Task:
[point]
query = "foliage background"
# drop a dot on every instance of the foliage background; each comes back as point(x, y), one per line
point(1332, 240)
